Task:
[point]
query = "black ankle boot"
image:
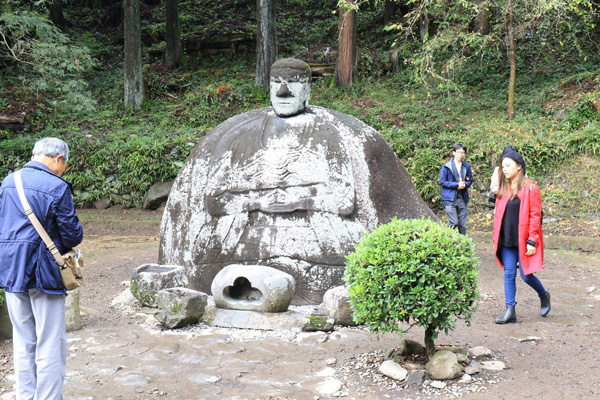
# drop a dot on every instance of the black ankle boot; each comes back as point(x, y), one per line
point(545, 307)
point(509, 316)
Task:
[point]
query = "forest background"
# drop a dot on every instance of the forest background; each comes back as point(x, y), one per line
point(425, 73)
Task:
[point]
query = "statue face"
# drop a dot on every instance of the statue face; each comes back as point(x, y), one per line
point(289, 97)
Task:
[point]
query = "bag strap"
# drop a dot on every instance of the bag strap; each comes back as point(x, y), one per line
point(36, 222)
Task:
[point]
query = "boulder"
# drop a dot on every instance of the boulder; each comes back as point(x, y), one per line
point(473, 368)
point(103, 203)
point(148, 279)
point(316, 322)
point(337, 306)
point(444, 365)
point(253, 288)
point(416, 377)
point(480, 353)
point(393, 370)
point(329, 386)
point(157, 195)
point(410, 347)
point(178, 307)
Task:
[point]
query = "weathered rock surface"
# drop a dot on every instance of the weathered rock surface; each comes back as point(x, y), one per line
point(253, 288)
point(480, 353)
point(492, 365)
point(293, 193)
point(178, 307)
point(148, 279)
point(444, 365)
point(393, 370)
point(416, 377)
point(102, 204)
point(337, 306)
point(253, 319)
point(437, 384)
point(473, 368)
point(330, 386)
point(409, 347)
point(318, 322)
point(157, 195)
point(72, 312)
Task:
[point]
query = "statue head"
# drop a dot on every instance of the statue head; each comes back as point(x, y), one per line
point(290, 86)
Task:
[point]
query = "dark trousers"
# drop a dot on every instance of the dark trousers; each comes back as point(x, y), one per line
point(457, 214)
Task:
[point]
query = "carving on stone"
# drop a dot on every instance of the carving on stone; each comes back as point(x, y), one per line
point(253, 288)
point(291, 186)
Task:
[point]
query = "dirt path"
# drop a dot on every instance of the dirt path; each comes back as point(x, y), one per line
point(116, 356)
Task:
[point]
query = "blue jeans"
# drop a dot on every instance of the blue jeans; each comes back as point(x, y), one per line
point(509, 257)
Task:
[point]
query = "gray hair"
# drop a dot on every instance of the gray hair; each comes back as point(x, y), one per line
point(51, 147)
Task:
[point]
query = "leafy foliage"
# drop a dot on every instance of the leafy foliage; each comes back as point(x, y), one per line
point(554, 124)
point(415, 271)
point(48, 59)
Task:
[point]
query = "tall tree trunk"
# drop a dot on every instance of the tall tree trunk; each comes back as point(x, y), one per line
point(134, 86)
point(266, 41)
point(389, 10)
point(174, 50)
point(56, 12)
point(346, 64)
point(513, 63)
point(429, 343)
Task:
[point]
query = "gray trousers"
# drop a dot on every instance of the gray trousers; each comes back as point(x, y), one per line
point(39, 344)
point(457, 215)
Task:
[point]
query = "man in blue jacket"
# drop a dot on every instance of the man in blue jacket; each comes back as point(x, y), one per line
point(455, 179)
point(35, 295)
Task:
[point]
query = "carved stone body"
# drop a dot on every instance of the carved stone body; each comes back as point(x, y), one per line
point(294, 193)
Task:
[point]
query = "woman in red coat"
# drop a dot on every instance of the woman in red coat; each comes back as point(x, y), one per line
point(518, 238)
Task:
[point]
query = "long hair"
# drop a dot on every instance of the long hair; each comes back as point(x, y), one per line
point(504, 185)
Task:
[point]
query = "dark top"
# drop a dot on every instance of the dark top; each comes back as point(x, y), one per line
point(509, 232)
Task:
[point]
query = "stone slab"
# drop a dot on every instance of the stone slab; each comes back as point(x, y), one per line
point(253, 319)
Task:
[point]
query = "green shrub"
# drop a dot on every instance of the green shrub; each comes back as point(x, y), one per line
point(2, 299)
point(412, 271)
point(45, 59)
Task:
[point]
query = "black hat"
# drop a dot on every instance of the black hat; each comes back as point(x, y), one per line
point(516, 157)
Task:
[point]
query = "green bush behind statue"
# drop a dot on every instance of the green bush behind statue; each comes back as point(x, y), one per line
point(413, 271)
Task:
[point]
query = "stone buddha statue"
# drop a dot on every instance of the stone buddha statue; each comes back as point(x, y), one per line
point(290, 186)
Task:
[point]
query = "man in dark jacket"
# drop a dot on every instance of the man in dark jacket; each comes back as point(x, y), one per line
point(455, 179)
point(35, 295)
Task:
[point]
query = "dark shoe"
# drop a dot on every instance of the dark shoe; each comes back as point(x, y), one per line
point(545, 307)
point(509, 316)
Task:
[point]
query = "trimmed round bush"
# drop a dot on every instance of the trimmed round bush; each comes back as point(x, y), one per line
point(415, 272)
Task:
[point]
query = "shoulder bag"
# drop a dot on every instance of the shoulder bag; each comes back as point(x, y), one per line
point(71, 264)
